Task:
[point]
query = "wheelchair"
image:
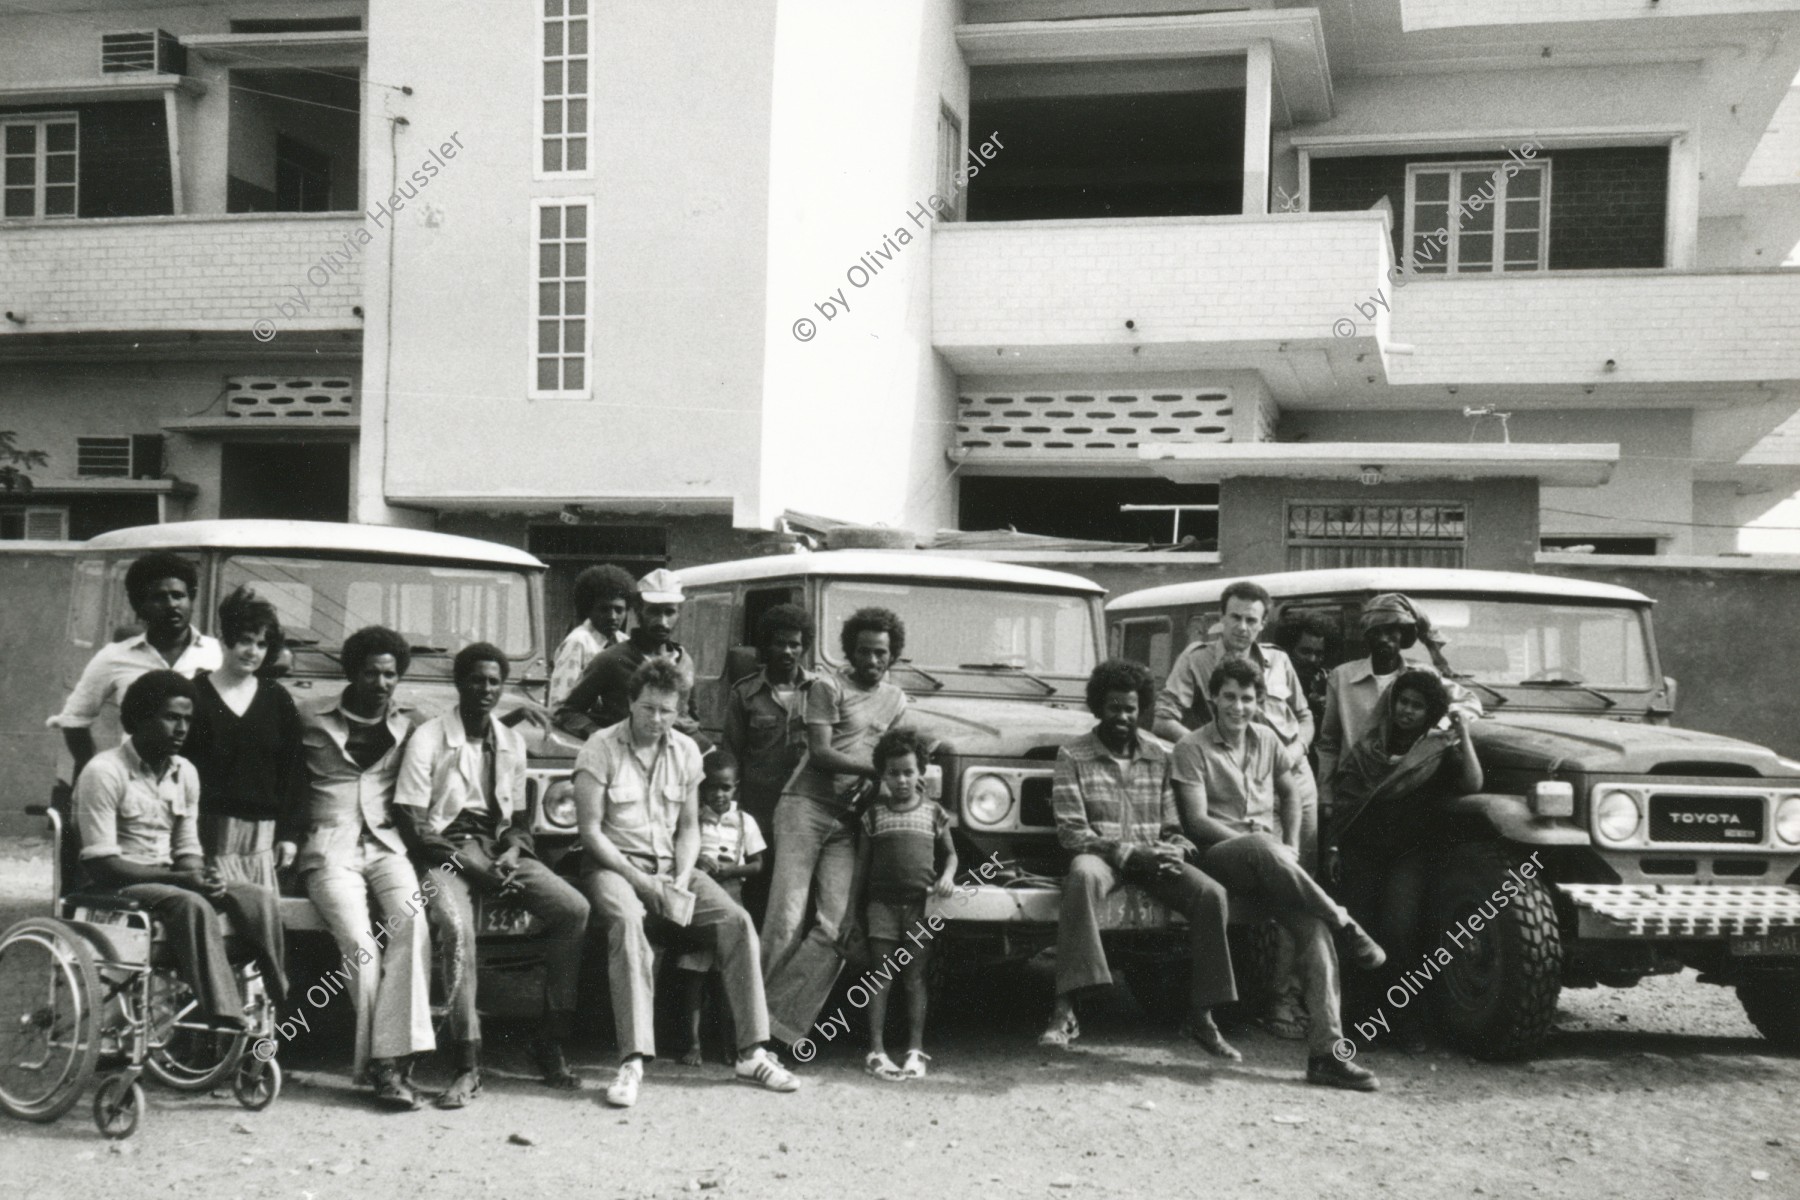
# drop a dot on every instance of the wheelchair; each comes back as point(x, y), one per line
point(95, 988)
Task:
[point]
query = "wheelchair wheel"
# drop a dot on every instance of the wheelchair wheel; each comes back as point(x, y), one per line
point(185, 1053)
point(257, 1082)
point(49, 1019)
point(118, 1105)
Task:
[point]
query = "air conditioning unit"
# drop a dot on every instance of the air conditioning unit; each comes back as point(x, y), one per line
point(155, 51)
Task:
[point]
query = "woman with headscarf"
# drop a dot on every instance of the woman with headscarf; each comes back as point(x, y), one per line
point(1419, 747)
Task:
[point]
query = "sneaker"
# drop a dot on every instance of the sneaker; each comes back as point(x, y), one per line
point(765, 1070)
point(1327, 1070)
point(1061, 1033)
point(914, 1066)
point(622, 1091)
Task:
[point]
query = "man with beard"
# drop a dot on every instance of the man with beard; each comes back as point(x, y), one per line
point(601, 696)
point(765, 727)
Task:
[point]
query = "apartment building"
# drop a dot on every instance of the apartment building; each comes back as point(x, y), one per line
point(1420, 281)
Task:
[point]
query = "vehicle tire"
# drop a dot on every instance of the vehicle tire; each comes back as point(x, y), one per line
point(1771, 1000)
point(118, 1106)
point(50, 1003)
point(1497, 998)
point(186, 1054)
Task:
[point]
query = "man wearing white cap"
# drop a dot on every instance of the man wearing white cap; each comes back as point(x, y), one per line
point(601, 696)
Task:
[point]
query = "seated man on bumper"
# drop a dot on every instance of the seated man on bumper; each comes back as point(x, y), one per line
point(1237, 786)
point(637, 788)
point(460, 791)
point(1115, 812)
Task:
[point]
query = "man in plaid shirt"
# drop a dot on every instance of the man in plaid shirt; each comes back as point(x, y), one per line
point(1115, 812)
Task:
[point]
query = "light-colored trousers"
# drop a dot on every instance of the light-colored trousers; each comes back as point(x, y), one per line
point(392, 992)
point(719, 923)
point(816, 857)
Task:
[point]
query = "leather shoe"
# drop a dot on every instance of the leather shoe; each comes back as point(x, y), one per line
point(1327, 1070)
point(393, 1089)
point(1206, 1035)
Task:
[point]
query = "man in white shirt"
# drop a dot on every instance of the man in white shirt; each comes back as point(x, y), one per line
point(161, 589)
point(603, 596)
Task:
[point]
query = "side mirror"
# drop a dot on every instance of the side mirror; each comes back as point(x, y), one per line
point(1670, 690)
point(282, 665)
point(739, 662)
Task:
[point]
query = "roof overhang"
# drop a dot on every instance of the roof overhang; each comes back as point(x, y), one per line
point(1383, 462)
point(1296, 38)
point(265, 50)
point(524, 501)
point(131, 86)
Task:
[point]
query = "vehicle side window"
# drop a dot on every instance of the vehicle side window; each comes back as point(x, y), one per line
point(1150, 641)
point(706, 633)
point(1342, 618)
point(119, 615)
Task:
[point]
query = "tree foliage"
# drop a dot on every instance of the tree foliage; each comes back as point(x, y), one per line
point(14, 462)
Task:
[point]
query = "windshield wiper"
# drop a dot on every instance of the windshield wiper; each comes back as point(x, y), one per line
point(937, 685)
point(1012, 668)
point(1499, 700)
point(1568, 683)
point(429, 649)
point(299, 643)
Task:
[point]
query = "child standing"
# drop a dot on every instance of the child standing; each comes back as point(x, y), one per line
point(731, 851)
point(904, 835)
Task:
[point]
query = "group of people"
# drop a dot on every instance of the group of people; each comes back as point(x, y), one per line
point(1233, 809)
point(806, 838)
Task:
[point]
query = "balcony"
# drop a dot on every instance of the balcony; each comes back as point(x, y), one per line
point(1156, 293)
point(1653, 327)
point(256, 275)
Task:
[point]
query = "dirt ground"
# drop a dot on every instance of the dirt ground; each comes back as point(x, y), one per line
point(1660, 1091)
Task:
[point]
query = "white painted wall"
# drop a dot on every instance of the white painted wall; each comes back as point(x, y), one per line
point(857, 418)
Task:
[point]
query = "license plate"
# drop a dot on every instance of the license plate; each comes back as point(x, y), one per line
point(1785, 944)
point(101, 916)
point(496, 918)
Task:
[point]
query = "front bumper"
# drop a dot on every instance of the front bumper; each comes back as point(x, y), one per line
point(1127, 909)
point(1681, 910)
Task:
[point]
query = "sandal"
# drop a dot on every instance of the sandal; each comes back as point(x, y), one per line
point(463, 1089)
point(914, 1067)
point(691, 1057)
point(1061, 1035)
point(881, 1066)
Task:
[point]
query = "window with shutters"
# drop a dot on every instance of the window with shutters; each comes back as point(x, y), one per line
point(563, 112)
point(1431, 534)
point(34, 524)
point(562, 337)
point(949, 158)
point(103, 457)
point(38, 166)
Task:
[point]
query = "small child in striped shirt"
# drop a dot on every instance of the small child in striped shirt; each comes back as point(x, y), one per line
point(906, 836)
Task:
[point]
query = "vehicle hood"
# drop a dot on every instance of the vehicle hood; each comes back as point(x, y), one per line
point(1552, 742)
point(982, 728)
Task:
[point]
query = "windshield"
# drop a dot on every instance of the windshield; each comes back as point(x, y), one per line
point(441, 607)
point(1533, 641)
point(949, 627)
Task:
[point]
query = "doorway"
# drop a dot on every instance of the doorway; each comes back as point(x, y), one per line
point(288, 481)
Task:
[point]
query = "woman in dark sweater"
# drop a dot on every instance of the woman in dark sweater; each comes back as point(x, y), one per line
point(245, 743)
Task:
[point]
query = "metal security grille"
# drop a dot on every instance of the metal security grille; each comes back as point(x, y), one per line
point(1376, 535)
point(103, 457)
point(286, 398)
point(1093, 424)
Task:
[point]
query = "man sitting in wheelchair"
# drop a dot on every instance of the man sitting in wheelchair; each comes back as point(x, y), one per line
point(137, 807)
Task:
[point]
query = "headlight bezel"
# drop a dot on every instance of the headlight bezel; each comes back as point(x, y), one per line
point(557, 793)
point(1784, 822)
point(979, 785)
point(1615, 800)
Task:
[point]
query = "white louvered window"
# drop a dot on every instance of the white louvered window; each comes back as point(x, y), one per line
point(103, 457)
point(563, 133)
point(562, 333)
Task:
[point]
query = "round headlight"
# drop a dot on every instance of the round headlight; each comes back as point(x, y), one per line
point(987, 800)
point(1787, 820)
point(559, 803)
point(1617, 816)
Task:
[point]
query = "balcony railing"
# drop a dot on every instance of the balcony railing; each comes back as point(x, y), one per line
point(260, 273)
point(1018, 295)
